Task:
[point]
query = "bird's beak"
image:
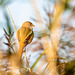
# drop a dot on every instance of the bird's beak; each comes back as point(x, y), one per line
point(33, 25)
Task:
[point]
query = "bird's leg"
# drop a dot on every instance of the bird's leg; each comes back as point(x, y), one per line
point(25, 55)
point(27, 63)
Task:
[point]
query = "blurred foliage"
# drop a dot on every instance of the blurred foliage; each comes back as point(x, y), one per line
point(9, 60)
point(9, 28)
point(70, 68)
point(3, 5)
point(4, 2)
point(66, 4)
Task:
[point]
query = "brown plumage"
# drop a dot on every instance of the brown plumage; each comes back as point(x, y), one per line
point(24, 36)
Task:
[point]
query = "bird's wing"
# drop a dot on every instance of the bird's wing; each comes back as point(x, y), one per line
point(29, 38)
point(25, 32)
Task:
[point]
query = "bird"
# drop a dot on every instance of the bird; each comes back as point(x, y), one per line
point(25, 35)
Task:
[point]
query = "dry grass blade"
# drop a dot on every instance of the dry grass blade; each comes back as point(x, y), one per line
point(60, 65)
point(6, 44)
point(12, 19)
point(6, 32)
point(7, 37)
point(11, 35)
point(9, 44)
point(37, 13)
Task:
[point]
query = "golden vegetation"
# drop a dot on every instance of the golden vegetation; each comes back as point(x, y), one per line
point(48, 46)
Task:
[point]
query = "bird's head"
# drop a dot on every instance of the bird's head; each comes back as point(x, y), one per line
point(28, 24)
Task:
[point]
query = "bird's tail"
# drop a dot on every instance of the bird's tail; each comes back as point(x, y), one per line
point(20, 51)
